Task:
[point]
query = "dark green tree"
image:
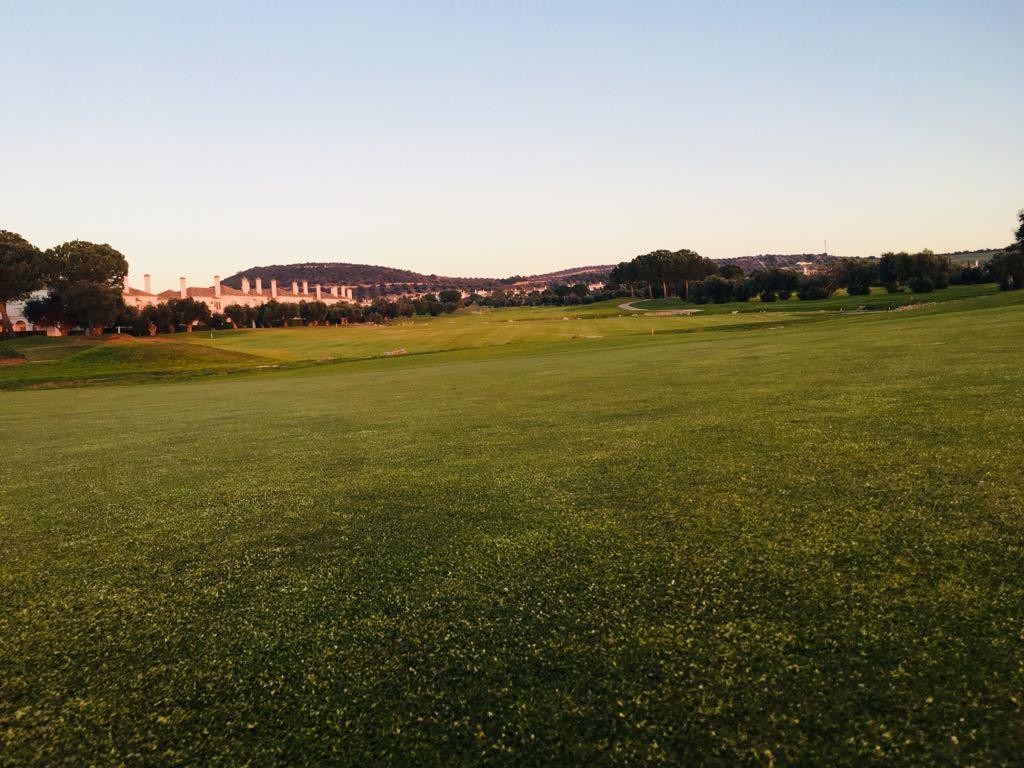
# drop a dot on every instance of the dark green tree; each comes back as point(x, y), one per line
point(1008, 266)
point(816, 286)
point(240, 315)
point(158, 317)
point(91, 305)
point(86, 279)
point(82, 261)
point(856, 275)
point(46, 311)
point(272, 313)
point(730, 271)
point(314, 312)
point(21, 268)
point(188, 312)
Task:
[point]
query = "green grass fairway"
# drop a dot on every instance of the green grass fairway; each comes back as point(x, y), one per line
point(789, 540)
point(75, 360)
point(78, 360)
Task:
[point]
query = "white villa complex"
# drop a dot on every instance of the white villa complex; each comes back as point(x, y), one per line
point(216, 297)
point(219, 296)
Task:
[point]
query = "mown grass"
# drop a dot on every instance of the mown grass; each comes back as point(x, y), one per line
point(68, 361)
point(798, 543)
point(85, 360)
point(76, 360)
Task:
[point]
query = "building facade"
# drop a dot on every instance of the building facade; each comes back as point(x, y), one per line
point(252, 294)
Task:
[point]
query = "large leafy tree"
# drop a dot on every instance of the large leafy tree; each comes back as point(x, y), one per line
point(157, 316)
point(46, 311)
point(80, 260)
point(625, 273)
point(672, 270)
point(239, 315)
point(188, 311)
point(315, 312)
point(91, 305)
point(85, 280)
point(1008, 266)
point(21, 268)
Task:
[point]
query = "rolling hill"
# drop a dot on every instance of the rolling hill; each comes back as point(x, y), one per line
point(341, 273)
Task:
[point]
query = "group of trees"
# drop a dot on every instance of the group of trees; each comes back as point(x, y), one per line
point(168, 316)
point(83, 282)
point(557, 295)
point(920, 272)
point(1007, 267)
point(667, 273)
point(689, 276)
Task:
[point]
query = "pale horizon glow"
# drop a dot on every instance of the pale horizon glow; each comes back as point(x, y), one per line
point(494, 139)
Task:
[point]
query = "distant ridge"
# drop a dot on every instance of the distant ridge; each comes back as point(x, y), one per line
point(768, 260)
point(343, 273)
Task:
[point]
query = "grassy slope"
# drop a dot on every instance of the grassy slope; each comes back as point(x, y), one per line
point(76, 359)
point(465, 331)
point(799, 544)
point(81, 359)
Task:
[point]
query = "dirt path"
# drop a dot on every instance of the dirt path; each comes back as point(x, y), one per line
point(628, 306)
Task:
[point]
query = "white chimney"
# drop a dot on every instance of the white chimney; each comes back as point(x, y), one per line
point(146, 281)
point(318, 292)
point(273, 288)
point(334, 291)
point(259, 285)
point(305, 287)
point(245, 285)
point(182, 290)
point(216, 286)
point(125, 288)
point(295, 288)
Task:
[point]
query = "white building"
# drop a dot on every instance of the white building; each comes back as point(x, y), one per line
point(219, 296)
point(216, 297)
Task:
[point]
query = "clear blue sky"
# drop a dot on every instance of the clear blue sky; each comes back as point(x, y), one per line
point(485, 138)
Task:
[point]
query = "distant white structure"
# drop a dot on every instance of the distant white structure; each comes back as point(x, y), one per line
point(218, 296)
point(16, 311)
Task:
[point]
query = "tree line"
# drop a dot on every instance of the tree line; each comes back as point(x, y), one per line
point(689, 276)
point(84, 283)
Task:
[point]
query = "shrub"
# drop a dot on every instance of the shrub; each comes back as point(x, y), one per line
point(814, 287)
point(921, 284)
point(741, 290)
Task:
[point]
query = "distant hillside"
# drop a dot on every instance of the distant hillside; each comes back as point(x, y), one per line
point(589, 274)
point(765, 261)
point(340, 273)
point(967, 257)
point(768, 260)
